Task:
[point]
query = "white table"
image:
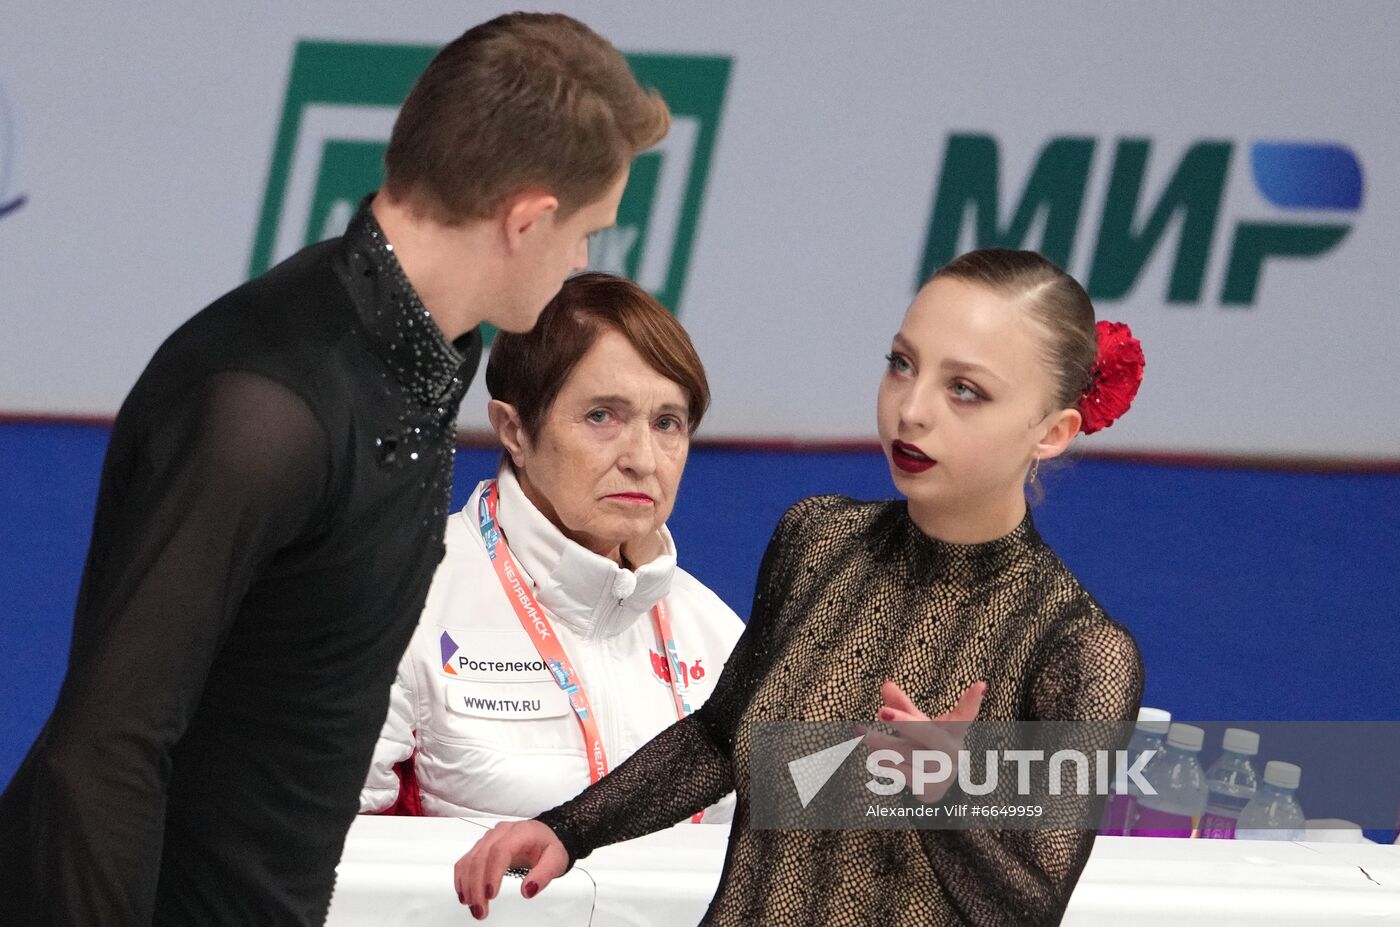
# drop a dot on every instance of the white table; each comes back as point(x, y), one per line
point(398, 871)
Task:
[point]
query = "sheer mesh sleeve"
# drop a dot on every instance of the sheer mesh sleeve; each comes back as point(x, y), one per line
point(1093, 672)
point(689, 765)
point(195, 504)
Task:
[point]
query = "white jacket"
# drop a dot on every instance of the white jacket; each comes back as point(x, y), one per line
point(495, 735)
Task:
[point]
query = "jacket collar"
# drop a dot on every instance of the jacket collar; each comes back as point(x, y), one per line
point(589, 593)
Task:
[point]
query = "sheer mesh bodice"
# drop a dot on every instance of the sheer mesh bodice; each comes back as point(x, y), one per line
point(850, 594)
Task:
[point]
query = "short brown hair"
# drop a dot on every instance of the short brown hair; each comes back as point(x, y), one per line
point(1055, 301)
point(526, 100)
point(528, 370)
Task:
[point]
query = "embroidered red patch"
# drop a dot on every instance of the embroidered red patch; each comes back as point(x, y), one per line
point(660, 667)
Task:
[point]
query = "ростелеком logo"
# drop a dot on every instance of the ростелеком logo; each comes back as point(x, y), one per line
point(449, 650)
point(341, 102)
point(9, 199)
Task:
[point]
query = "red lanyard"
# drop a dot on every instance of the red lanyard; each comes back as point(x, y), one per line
point(537, 626)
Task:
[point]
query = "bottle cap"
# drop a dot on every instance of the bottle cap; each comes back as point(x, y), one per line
point(1282, 775)
point(1154, 720)
point(1185, 737)
point(1238, 740)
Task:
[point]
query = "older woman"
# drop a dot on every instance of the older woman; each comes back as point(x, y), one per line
point(559, 634)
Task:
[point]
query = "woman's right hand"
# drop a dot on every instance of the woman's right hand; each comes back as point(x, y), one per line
point(510, 845)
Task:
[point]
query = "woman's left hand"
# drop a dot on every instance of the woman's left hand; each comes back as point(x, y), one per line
point(900, 712)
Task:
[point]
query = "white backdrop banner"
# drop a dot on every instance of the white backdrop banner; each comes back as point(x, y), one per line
point(1224, 177)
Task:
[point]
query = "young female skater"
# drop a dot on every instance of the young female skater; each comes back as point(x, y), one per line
point(945, 605)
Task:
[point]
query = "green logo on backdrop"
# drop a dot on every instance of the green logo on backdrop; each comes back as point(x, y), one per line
point(340, 107)
point(1046, 218)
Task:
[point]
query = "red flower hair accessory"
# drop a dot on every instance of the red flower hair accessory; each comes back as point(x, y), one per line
point(1115, 379)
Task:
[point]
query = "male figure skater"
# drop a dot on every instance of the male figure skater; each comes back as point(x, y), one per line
point(273, 501)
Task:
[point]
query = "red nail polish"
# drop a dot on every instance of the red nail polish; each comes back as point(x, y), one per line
point(490, 892)
point(886, 714)
point(530, 889)
point(476, 912)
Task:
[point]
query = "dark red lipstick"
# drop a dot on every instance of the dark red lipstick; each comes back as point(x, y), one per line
point(909, 458)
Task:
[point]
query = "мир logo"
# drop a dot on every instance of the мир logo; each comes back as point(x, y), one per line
point(1322, 178)
point(9, 201)
point(340, 106)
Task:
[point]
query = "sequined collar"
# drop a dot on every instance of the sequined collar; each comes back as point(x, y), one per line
point(402, 332)
point(931, 560)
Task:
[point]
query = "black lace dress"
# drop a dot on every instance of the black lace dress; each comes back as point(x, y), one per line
point(850, 594)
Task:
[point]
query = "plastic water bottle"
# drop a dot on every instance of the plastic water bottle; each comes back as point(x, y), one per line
point(1273, 812)
point(1231, 781)
point(1175, 774)
point(1152, 725)
point(1332, 830)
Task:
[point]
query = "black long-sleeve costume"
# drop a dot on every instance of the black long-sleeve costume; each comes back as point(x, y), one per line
point(850, 594)
point(270, 515)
